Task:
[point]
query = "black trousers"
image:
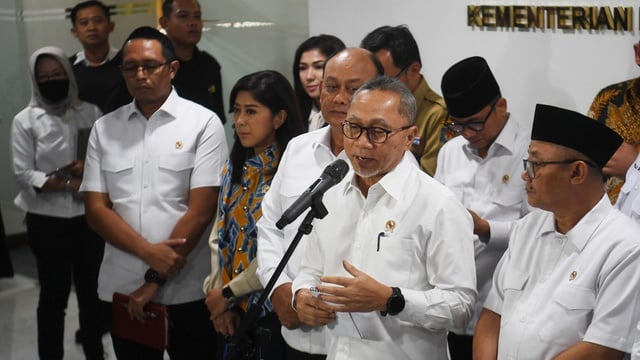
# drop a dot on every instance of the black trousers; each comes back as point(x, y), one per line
point(293, 354)
point(191, 335)
point(66, 250)
point(274, 349)
point(460, 346)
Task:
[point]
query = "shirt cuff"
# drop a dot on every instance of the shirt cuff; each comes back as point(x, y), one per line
point(499, 234)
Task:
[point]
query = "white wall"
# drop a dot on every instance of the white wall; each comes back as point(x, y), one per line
point(239, 51)
point(564, 68)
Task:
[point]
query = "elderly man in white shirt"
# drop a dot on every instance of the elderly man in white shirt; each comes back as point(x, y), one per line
point(301, 164)
point(482, 167)
point(568, 286)
point(391, 266)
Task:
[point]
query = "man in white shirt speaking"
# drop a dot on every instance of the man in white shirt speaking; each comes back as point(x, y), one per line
point(391, 265)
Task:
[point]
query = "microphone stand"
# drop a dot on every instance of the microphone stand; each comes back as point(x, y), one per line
point(244, 343)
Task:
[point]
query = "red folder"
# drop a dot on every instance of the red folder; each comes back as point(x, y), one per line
point(152, 332)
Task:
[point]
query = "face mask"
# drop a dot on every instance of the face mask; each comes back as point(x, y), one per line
point(54, 90)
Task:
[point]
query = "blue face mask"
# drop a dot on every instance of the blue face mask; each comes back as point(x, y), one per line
point(54, 90)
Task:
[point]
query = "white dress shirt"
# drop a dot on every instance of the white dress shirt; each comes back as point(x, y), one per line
point(628, 200)
point(302, 163)
point(40, 143)
point(409, 232)
point(494, 189)
point(316, 120)
point(147, 168)
point(81, 57)
point(555, 290)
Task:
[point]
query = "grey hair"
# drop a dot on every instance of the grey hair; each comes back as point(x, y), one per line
point(407, 107)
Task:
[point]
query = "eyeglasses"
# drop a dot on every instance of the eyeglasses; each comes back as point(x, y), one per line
point(147, 68)
point(530, 166)
point(376, 135)
point(473, 125)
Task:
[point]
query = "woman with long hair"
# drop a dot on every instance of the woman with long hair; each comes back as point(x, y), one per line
point(266, 117)
point(308, 65)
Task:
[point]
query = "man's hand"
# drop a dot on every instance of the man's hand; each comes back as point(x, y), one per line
point(75, 168)
point(281, 301)
point(163, 258)
point(139, 298)
point(361, 293)
point(216, 303)
point(621, 160)
point(480, 226)
point(227, 323)
point(311, 310)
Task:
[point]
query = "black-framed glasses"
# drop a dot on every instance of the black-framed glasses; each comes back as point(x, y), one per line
point(147, 68)
point(476, 126)
point(530, 166)
point(375, 134)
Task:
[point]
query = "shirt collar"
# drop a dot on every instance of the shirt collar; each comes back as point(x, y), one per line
point(393, 183)
point(81, 57)
point(169, 107)
point(507, 140)
point(582, 232)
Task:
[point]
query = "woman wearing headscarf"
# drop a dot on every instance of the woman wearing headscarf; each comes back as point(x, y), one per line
point(47, 162)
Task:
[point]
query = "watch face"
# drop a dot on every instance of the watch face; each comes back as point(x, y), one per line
point(396, 303)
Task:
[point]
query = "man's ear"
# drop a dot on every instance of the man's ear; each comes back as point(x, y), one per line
point(579, 172)
point(174, 66)
point(163, 22)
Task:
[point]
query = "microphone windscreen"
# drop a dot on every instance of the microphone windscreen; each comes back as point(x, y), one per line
point(337, 170)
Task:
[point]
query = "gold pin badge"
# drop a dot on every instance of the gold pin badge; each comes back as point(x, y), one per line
point(505, 178)
point(212, 89)
point(178, 144)
point(390, 226)
point(573, 275)
point(265, 188)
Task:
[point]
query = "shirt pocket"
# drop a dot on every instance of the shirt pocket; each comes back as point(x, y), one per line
point(514, 283)
point(118, 172)
point(173, 177)
point(510, 198)
point(400, 253)
point(568, 315)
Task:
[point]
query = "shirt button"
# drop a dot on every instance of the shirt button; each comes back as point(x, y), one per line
point(243, 228)
point(242, 250)
point(244, 188)
point(245, 208)
point(237, 271)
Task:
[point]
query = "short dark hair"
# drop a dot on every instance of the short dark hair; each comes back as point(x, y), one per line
point(406, 106)
point(398, 40)
point(328, 45)
point(271, 89)
point(167, 7)
point(147, 32)
point(374, 59)
point(86, 4)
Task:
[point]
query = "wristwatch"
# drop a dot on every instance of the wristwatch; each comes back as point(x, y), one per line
point(395, 303)
point(152, 276)
point(227, 293)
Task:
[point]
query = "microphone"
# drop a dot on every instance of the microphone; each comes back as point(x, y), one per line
point(331, 175)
